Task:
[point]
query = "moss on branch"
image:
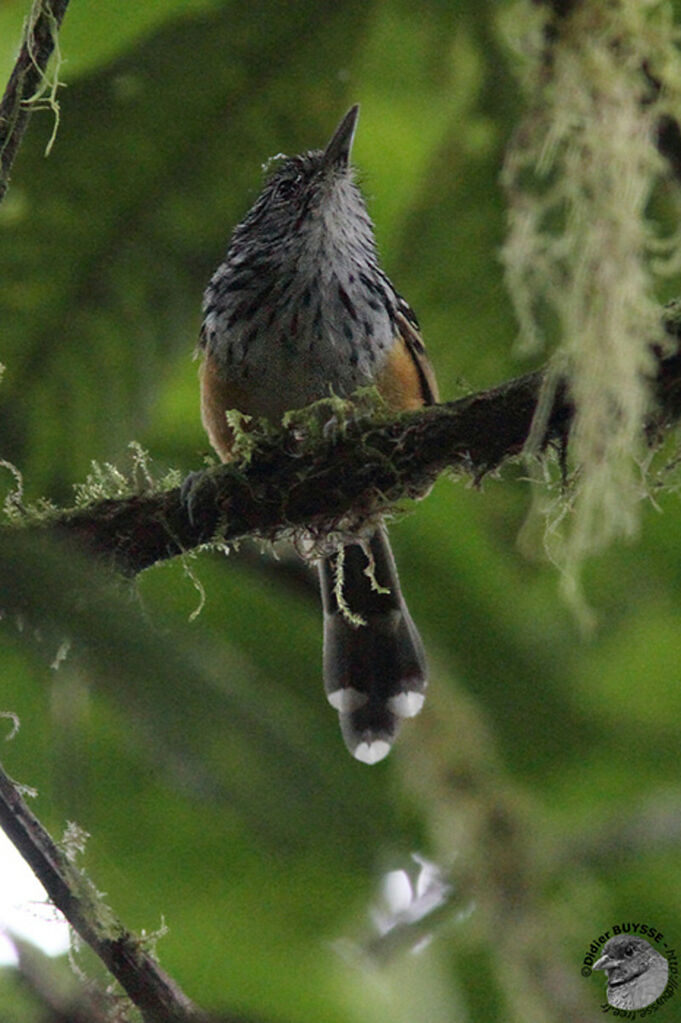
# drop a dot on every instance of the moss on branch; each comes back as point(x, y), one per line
point(291, 483)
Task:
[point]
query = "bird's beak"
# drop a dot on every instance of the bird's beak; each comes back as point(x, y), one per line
point(337, 153)
point(603, 963)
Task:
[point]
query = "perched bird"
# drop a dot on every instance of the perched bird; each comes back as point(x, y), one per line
point(298, 310)
point(637, 973)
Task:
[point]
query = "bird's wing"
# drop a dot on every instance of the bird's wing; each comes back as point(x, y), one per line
point(408, 326)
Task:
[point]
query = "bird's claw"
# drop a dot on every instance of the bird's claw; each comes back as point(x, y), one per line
point(190, 490)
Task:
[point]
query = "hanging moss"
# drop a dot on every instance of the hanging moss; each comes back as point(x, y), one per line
point(580, 174)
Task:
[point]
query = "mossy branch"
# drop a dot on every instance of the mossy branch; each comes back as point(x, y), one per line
point(288, 483)
point(27, 80)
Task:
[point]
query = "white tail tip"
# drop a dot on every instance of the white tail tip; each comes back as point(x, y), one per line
point(371, 752)
point(406, 705)
point(346, 700)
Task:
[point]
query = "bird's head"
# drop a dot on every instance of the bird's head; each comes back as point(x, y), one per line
point(625, 957)
point(310, 204)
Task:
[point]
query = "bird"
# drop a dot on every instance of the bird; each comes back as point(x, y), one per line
point(298, 310)
point(637, 973)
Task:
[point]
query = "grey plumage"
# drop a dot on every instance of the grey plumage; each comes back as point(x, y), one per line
point(300, 290)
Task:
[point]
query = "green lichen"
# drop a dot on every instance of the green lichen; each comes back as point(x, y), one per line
point(16, 511)
point(329, 418)
point(339, 591)
point(15, 723)
point(247, 433)
point(106, 481)
point(45, 98)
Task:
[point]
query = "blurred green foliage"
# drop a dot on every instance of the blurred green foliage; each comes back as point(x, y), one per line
point(201, 755)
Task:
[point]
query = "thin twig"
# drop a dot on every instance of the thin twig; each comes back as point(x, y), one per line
point(156, 995)
point(26, 80)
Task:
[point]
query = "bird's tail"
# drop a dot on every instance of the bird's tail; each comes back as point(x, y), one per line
point(374, 673)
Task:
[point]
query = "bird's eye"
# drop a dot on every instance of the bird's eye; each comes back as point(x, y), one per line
point(629, 951)
point(286, 188)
